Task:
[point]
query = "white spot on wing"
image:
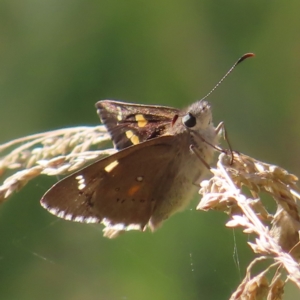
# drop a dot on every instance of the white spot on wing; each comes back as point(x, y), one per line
point(140, 178)
point(113, 230)
point(44, 205)
point(111, 166)
point(120, 226)
point(81, 186)
point(61, 214)
point(79, 219)
point(134, 227)
point(91, 220)
point(81, 182)
point(53, 211)
point(68, 217)
point(106, 222)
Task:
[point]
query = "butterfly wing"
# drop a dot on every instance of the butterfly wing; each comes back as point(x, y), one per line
point(120, 190)
point(130, 124)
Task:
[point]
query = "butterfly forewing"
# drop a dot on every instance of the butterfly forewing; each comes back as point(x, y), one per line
point(122, 189)
point(130, 124)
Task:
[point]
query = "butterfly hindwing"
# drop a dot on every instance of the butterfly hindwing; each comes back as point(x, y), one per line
point(130, 124)
point(107, 192)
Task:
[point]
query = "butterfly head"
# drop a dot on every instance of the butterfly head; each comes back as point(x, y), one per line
point(195, 123)
point(198, 116)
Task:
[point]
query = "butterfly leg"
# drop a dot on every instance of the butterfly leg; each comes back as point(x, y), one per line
point(194, 149)
point(222, 129)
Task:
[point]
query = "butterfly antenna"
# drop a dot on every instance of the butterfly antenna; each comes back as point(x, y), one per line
point(245, 56)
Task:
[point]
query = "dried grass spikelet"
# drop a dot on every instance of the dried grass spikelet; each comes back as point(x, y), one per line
point(57, 152)
point(276, 235)
point(255, 288)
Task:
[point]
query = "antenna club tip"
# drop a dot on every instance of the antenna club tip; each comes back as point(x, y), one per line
point(250, 54)
point(245, 56)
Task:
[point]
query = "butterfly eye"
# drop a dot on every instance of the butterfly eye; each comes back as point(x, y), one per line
point(189, 120)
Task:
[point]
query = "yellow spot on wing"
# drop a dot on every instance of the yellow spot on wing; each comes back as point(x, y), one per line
point(142, 122)
point(111, 166)
point(119, 116)
point(135, 140)
point(129, 134)
point(132, 137)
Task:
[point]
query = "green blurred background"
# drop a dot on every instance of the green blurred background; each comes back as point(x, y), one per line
point(58, 58)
